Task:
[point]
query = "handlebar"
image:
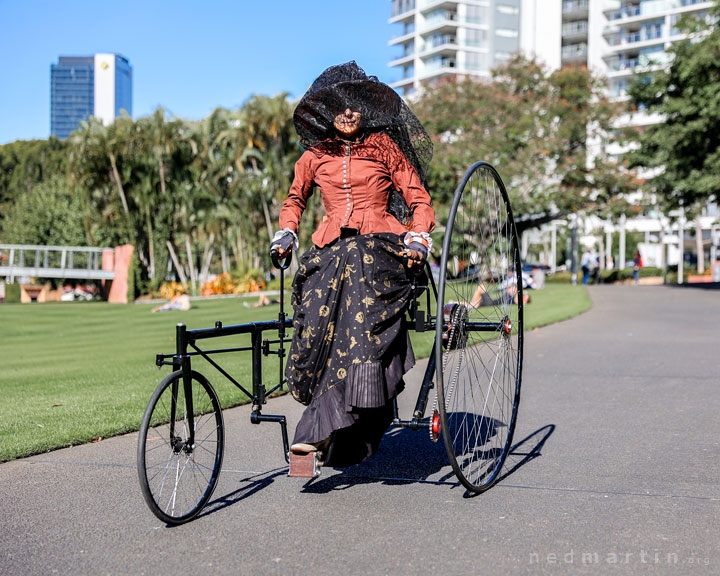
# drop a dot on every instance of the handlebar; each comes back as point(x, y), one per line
point(280, 264)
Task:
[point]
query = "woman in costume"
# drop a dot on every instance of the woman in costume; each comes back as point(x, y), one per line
point(350, 349)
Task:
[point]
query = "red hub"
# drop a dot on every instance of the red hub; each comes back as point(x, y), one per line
point(435, 426)
point(508, 326)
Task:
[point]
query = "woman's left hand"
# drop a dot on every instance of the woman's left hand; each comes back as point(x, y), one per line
point(417, 249)
point(415, 258)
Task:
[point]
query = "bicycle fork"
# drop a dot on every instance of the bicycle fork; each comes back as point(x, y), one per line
point(181, 361)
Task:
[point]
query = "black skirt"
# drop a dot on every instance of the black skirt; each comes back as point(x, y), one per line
point(349, 349)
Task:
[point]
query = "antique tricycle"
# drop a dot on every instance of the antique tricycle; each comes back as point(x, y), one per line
point(475, 366)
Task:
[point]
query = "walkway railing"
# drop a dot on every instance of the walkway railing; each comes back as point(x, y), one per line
point(68, 262)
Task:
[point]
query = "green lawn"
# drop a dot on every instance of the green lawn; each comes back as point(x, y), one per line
point(74, 372)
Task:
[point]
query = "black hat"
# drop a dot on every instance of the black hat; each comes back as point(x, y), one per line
point(348, 86)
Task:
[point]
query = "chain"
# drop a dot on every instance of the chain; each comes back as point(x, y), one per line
point(451, 332)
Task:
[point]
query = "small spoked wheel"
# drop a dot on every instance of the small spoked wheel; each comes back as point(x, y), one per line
point(178, 473)
point(479, 330)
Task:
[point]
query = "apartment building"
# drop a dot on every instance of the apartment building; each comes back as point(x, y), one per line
point(613, 38)
point(637, 34)
point(445, 38)
point(440, 38)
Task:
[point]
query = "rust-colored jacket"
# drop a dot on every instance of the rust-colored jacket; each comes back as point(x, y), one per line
point(355, 181)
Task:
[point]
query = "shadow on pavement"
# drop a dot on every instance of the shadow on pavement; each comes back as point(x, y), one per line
point(523, 452)
point(405, 457)
point(253, 485)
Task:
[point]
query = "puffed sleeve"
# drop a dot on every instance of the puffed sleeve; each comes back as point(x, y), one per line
point(300, 191)
point(407, 181)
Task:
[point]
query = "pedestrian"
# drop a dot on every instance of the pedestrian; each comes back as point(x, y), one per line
point(585, 264)
point(637, 264)
point(594, 266)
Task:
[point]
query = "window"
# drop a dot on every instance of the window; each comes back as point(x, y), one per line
point(476, 14)
point(505, 9)
point(475, 37)
point(506, 33)
point(475, 61)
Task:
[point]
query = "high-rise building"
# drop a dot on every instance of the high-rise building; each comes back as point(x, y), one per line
point(638, 32)
point(84, 86)
point(613, 38)
point(445, 38)
point(440, 38)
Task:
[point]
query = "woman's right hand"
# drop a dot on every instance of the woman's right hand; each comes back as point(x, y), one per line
point(282, 244)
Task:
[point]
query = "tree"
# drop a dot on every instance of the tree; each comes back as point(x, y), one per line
point(260, 143)
point(25, 164)
point(97, 160)
point(684, 148)
point(49, 214)
point(536, 128)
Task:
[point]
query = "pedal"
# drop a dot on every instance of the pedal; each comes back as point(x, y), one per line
point(304, 465)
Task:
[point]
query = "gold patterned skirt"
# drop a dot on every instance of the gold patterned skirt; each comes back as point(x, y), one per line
point(350, 348)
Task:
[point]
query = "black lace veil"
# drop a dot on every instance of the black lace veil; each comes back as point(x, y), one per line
point(348, 86)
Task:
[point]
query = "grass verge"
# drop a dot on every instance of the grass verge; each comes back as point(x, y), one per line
point(76, 372)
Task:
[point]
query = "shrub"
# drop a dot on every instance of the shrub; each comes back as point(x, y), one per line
point(170, 289)
point(650, 271)
point(12, 293)
point(230, 284)
point(558, 278)
point(615, 275)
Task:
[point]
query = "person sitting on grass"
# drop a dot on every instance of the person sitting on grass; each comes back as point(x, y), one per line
point(481, 297)
point(177, 302)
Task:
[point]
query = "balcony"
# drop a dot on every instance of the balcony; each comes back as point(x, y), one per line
point(435, 64)
point(400, 7)
point(407, 57)
point(439, 40)
point(426, 5)
point(402, 11)
point(404, 83)
point(644, 35)
point(624, 12)
point(574, 52)
point(401, 39)
point(623, 65)
point(575, 30)
point(575, 8)
point(440, 18)
point(647, 9)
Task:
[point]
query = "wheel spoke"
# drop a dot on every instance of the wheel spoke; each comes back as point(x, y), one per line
point(177, 485)
point(479, 375)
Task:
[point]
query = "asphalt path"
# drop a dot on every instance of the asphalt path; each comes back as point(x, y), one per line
point(615, 469)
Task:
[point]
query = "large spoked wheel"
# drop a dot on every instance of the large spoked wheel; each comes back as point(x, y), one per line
point(177, 475)
point(479, 330)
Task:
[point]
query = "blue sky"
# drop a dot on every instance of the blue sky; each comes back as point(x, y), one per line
point(187, 56)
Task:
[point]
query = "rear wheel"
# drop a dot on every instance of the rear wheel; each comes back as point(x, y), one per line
point(177, 475)
point(479, 330)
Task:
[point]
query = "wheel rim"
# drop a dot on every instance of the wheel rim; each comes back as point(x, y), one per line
point(479, 372)
point(179, 478)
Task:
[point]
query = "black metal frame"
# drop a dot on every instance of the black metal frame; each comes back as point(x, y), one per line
point(417, 320)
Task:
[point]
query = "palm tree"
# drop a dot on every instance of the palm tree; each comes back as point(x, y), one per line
point(261, 141)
